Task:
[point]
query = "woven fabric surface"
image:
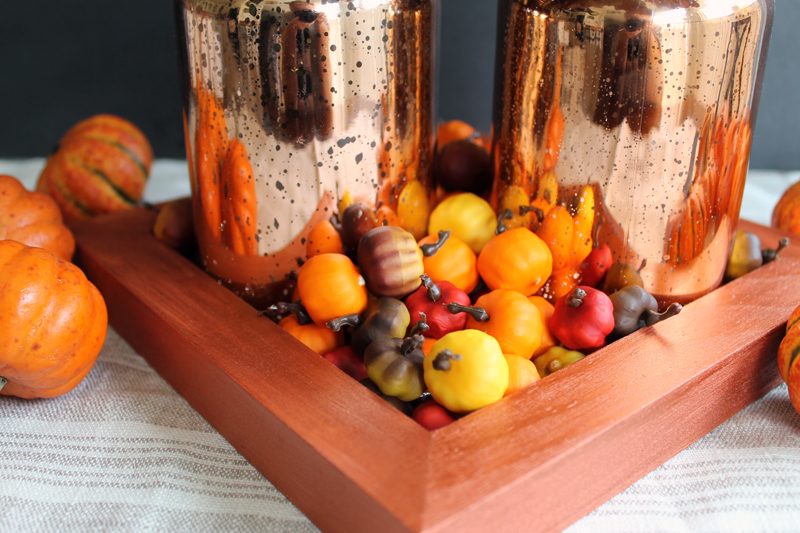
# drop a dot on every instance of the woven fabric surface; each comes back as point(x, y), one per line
point(124, 452)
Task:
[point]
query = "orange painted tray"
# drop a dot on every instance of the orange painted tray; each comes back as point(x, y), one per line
point(351, 463)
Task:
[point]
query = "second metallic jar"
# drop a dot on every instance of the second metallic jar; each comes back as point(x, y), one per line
point(652, 102)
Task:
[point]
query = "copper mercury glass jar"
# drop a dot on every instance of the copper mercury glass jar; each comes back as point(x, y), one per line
point(289, 107)
point(653, 103)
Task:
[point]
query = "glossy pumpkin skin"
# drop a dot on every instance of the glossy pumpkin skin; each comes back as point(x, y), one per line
point(101, 166)
point(53, 323)
point(34, 219)
point(330, 286)
point(517, 260)
point(454, 262)
point(390, 261)
point(789, 358)
point(513, 321)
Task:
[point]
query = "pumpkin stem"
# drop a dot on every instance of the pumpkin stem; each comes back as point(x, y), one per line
point(434, 293)
point(421, 326)
point(553, 366)
point(769, 255)
point(596, 243)
point(525, 209)
point(641, 267)
point(411, 343)
point(281, 308)
point(429, 250)
point(478, 313)
point(337, 324)
point(3, 382)
point(507, 214)
point(443, 358)
point(653, 317)
point(576, 298)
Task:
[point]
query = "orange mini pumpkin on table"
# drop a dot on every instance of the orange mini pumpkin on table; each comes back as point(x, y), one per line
point(34, 219)
point(517, 260)
point(101, 166)
point(513, 321)
point(53, 323)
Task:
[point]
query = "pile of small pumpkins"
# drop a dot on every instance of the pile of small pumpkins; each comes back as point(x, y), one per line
point(53, 321)
point(480, 307)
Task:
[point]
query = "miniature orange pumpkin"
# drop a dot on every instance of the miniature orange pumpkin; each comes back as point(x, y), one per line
point(521, 373)
point(324, 239)
point(320, 339)
point(52, 323)
point(238, 209)
point(513, 321)
point(330, 286)
point(789, 358)
point(517, 260)
point(101, 166)
point(546, 310)
point(786, 215)
point(34, 219)
point(454, 262)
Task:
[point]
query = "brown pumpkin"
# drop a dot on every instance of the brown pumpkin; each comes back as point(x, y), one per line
point(34, 219)
point(789, 358)
point(53, 323)
point(101, 166)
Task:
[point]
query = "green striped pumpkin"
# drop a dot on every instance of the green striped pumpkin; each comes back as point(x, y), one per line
point(789, 358)
point(100, 166)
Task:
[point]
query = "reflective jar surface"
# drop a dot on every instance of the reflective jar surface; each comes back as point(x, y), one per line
point(290, 107)
point(653, 103)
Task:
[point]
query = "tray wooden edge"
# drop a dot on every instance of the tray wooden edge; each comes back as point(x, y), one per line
point(328, 484)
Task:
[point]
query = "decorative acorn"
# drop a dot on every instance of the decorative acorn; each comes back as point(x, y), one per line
point(390, 262)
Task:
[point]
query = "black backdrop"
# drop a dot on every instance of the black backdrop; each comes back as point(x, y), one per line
point(63, 61)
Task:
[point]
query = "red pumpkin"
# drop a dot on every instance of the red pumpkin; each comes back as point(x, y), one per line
point(33, 218)
point(52, 323)
point(101, 166)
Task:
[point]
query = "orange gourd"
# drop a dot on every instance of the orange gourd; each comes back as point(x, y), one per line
point(454, 262)
point(52, 323)
point(384, 216)
point(517, 260)
point(453, 130)
point(320, 339)
point(786, 215)
point(330, 287)
point(789, 360)
point(211, 146)
point(546, 310)
point(101, 166)
point(514, 322)
point(34, 219)
point(324, 239)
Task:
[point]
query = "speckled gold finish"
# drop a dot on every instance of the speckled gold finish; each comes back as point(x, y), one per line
point(650, 101)
point(289, 105)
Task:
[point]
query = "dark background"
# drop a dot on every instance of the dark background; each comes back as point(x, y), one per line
point(63, 61)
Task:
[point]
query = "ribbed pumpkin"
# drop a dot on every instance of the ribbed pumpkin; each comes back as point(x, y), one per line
point(789, 358)
point(33, 218)
point(101, 166)
point(786, 215)
point(52, 323)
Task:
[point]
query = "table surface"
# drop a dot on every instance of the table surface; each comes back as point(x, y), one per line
point(124, 452)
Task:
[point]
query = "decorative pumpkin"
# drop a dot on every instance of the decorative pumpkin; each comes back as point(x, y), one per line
point(786, 215)
point(513, 320)
point(413, 208)
point(52, 323)
point(452, 261)
point(469, 217)
point(521, 373)
point(390, 261)
point(517, 260)
point(300, 326)
point(330, 286)
point(238, 209)
point(34, 219)
point(789, 358)
point(211, 146)
point(101, 166)
point(324, 239)
point(546, 311)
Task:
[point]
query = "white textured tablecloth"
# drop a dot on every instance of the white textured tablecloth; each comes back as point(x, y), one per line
point(124, 452)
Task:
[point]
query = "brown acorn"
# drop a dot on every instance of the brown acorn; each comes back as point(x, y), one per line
point(390, 262)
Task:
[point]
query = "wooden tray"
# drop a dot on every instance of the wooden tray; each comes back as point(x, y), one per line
point(535, 461)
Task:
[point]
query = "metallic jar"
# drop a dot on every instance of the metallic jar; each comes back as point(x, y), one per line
point(653, 103)
point(291, 106)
